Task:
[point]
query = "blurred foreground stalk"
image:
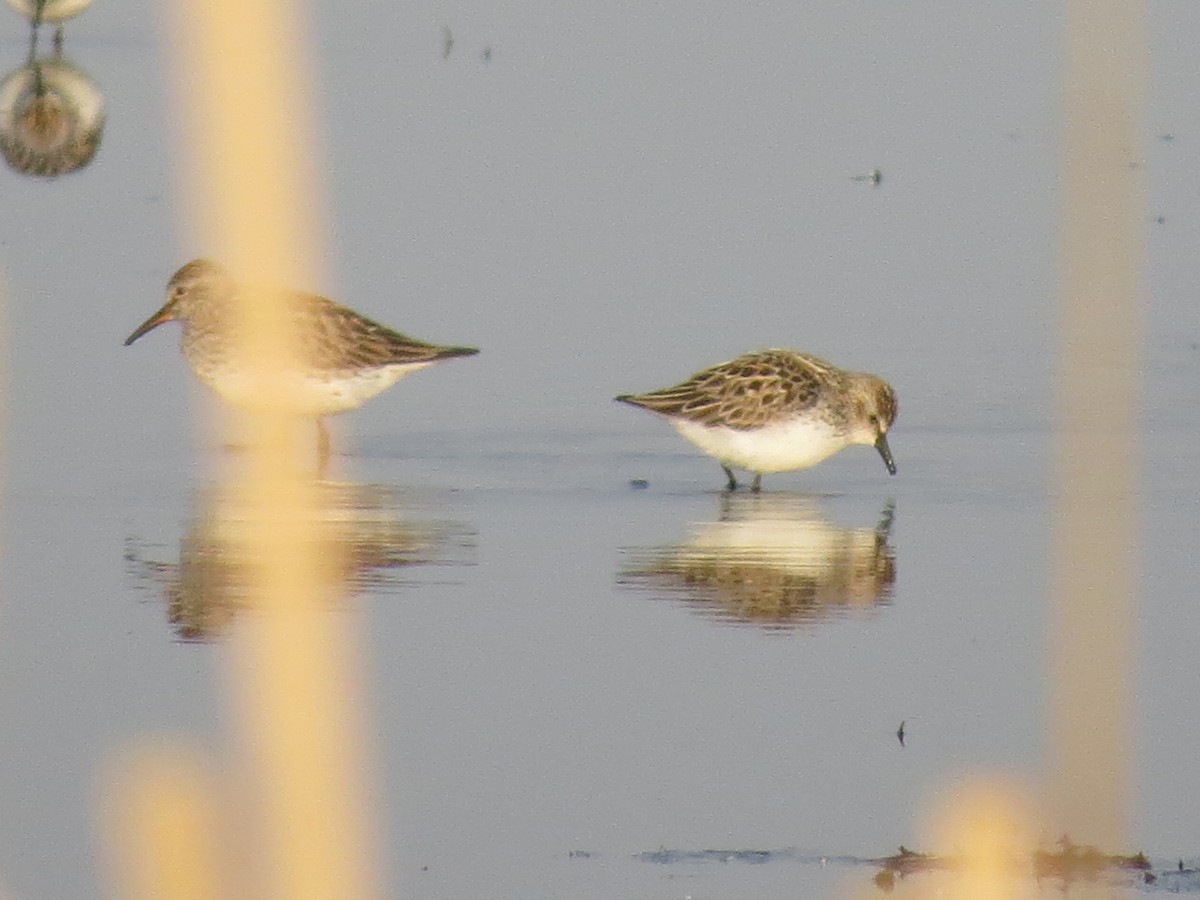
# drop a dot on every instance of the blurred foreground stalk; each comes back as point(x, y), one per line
point(988, 825)
point(247, 140)
point(1097, 516)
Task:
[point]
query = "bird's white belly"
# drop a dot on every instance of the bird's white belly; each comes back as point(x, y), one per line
point(795, 444)
point(308, 394)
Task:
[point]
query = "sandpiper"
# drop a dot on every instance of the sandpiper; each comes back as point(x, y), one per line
point(775, 411)
point(346, 358)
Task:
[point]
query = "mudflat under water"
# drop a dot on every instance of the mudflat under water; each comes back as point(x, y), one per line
point(578, 686)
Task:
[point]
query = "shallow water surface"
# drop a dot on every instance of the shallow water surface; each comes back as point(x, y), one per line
point(590, 672)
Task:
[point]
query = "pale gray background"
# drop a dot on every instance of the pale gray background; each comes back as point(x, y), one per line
point(625, 193)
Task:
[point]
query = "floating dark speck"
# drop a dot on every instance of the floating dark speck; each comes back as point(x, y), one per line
point(874, 177)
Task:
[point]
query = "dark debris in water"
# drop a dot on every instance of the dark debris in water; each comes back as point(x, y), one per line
point(664, 856)
point(1069, 863)
point(1073, 862)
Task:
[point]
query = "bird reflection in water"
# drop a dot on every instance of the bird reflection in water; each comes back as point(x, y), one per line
point(51, 116)
point(365, 527)
point(772, 560)
point(56, 11)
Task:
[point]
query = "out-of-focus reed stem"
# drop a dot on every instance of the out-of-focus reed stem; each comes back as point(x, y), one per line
point(1097, 486)
point(169, 828)
point(246, 137)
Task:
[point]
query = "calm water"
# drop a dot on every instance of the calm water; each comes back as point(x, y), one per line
point(565, 672)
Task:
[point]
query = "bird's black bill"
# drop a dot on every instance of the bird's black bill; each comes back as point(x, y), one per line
point(451, 352)
point(151, 323)
point(885, 451)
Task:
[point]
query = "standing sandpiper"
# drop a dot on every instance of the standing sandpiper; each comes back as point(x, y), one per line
point(776, 410)
point(347, 358)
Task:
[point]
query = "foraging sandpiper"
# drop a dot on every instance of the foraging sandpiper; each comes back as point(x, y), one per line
point(776, 410)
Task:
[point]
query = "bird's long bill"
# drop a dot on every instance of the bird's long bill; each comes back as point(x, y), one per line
point(163, 315)
point(885, 451)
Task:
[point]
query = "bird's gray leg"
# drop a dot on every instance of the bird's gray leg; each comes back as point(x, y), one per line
point(322, 448)
point(732, 486)
point(757, 485)
point(58, 40)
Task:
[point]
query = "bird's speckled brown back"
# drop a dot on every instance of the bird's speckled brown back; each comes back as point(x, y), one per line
point(333, 340)
point(750, 391)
